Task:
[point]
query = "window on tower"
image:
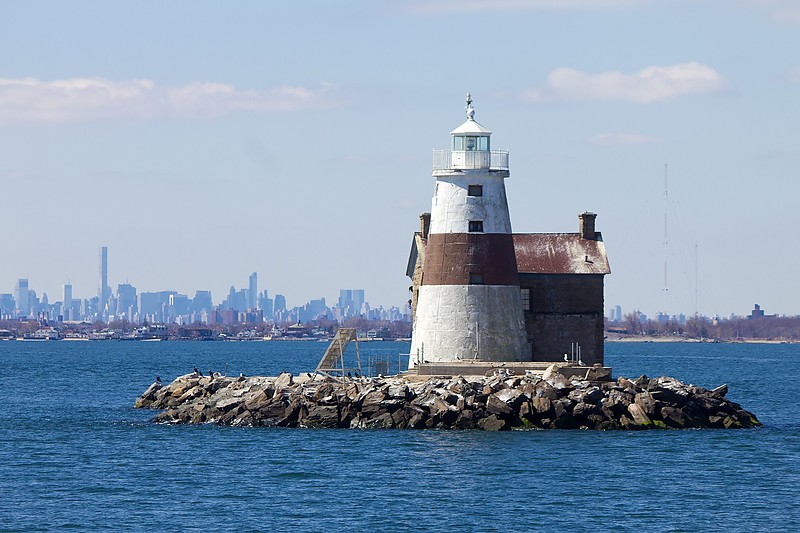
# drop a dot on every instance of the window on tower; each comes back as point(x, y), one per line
point(475, 190)
point(476, 226)
point(475, 278)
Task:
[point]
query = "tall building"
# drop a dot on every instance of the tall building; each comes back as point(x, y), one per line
point(358, 301)
point(236, 300)
point(252, 293)
point(126, 300)
point(66, 309)
point(345, 300)
point(23, 297)
point(280, 303)
point(7, 305)
point(202, 302)
point(154, 306)
point(265, 304)
point(469, 304)
point(104, 293)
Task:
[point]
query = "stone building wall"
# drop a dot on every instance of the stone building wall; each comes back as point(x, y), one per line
point(564, 308)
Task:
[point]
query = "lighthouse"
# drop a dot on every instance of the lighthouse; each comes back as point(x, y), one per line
point(468, 305)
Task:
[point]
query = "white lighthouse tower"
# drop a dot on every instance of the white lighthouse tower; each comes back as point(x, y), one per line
point(469, 305)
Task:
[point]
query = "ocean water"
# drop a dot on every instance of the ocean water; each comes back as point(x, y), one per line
point(74, 454)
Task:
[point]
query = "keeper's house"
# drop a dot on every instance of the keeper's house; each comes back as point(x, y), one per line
point(561, 282)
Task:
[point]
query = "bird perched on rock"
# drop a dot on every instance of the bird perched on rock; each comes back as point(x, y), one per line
point(158, 379)
point(198, 372)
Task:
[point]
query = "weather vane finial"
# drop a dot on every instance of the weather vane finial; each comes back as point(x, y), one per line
point(470, 109)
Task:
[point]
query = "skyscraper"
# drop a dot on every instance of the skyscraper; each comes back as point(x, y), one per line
point(22, 295)
point(105, 291)
point(66, 309)
point(346, 301)
point(358, 301)
point(280, 303)
point(126, 300)
point(252, 294)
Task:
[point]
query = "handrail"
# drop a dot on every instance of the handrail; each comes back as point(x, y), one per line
point(470, 160)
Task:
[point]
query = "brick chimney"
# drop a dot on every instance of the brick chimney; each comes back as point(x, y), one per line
point(424, 224)
point(587, 225)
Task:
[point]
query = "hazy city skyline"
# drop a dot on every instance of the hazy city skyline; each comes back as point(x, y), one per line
point(193, 138)
point(140, 304)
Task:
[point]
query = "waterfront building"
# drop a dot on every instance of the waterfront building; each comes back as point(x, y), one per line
point(468, 301)
point(561, 277)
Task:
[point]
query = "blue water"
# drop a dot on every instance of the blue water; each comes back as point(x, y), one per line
point(74, 454)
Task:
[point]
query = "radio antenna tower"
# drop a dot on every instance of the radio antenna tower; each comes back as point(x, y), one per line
point(666, 240)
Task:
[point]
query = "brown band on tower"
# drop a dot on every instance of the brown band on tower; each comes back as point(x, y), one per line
point(450, 259)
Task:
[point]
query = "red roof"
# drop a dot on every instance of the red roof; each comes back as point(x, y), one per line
point(560, 253)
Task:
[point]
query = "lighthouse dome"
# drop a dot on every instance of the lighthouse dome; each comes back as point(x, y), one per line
point(470, 136)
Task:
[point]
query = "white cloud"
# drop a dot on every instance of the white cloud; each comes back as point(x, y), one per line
point(472, 6)
point(615, 139)
point(30, 99)
point(651, 84)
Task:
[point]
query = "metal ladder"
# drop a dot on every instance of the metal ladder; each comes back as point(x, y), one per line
point(332, 362)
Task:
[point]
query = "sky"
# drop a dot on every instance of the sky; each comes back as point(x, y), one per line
point(202, 141)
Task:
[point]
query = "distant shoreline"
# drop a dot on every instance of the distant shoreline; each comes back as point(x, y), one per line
point(675, 338)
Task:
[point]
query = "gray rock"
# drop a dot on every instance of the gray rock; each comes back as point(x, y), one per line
point(511, 397)
point(720, 391)
point(649, 405)
point(398, 391)
point(541, 405)
point(284, 380)
point(673, 417)
point(497, 406)
point(543, 389)
point(639, 417)
point(321, 416)
point(593, 395)
point(492, 423)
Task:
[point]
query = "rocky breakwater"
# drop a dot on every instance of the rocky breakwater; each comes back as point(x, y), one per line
point(498, 402)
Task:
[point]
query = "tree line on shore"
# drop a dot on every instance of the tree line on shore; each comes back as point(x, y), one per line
point(700, 327)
